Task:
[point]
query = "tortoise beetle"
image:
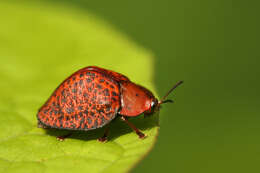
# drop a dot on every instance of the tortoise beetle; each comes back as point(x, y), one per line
point(92, 97)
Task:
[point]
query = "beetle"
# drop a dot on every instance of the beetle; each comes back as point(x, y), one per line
point(92, 97)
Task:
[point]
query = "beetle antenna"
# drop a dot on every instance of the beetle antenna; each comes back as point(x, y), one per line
point(168, 101)
point(163, 100)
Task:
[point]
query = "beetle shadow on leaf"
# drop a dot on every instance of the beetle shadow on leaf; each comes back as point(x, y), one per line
point(74, 134)
point(117, 128)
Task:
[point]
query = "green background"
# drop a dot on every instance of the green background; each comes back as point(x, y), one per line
point(214, 47)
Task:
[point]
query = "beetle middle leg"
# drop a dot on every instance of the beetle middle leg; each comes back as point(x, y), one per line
point(104, 137)
point(137, 131)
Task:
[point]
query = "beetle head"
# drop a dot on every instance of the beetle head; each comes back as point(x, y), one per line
point(155, 105)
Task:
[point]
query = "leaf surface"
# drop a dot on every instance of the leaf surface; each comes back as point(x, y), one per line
point(40, 45)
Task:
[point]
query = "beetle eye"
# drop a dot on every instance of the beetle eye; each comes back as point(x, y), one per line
point(152, 109)
point(152, 104)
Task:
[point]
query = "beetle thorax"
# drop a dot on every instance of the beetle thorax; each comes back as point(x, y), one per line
point(135, 99)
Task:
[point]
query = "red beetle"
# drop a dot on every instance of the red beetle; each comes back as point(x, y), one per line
point(91, 97)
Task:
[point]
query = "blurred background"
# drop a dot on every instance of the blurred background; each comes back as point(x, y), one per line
point(213, 46)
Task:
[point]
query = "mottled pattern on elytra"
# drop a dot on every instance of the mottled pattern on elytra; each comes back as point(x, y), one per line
point(114, 75)
point(86, 100)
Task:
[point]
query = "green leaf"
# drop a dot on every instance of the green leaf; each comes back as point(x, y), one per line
point(40, 45)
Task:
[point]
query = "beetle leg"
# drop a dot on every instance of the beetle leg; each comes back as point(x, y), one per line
point(104, 137)
point(62, 138)
point(137, 131)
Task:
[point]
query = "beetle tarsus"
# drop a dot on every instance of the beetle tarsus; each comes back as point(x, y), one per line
point(104, 137)
point(141, 135)
point(62, 138)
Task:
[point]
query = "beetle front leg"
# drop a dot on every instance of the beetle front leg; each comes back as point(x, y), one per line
point(137, 131)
